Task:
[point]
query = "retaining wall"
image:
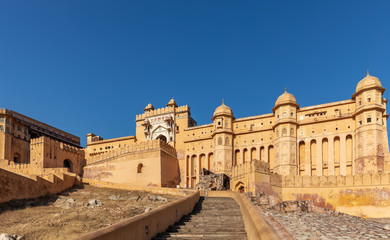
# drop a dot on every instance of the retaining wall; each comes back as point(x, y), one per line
point(146, 225)
point(16, 186)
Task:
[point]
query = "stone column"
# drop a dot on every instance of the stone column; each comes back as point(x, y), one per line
point(343, 156)
point(319, 157)
point(331, 156)
point(266, 157)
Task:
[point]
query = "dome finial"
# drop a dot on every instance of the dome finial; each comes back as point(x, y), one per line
point(223, 101)
point(368, 73)
point(285, 89)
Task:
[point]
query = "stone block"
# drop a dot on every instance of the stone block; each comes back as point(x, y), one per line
point(349, 180)
point(367, 179)
point(358, 180)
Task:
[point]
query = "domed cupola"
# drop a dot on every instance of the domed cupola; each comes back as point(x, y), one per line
point(223, 110)
point(368, 82)
point(285, 98)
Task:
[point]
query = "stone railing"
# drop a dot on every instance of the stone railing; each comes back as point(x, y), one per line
point(330, 181)
point(141, 146)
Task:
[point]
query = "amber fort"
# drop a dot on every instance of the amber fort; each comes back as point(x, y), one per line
point(334, 154)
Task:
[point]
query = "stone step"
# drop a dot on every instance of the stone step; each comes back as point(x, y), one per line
point(207, 225)
point(206, 230)
point(211, 218)
point(203, 235)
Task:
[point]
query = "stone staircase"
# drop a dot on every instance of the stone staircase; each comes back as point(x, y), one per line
point(212, 218)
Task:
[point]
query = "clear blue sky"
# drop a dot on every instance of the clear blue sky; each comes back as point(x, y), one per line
point(91, 66)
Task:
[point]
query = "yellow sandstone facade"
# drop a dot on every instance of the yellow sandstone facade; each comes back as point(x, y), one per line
point(336, 154)
point(317, 146)
point(24, 140)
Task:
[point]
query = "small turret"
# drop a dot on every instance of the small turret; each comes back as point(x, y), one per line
point(148, 107)
point(285, 128)
point(369, 111)
point(223, 139)
point(172, 103)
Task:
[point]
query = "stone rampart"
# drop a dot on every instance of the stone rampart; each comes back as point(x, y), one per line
point(130, 149)
point(367, 179)
point(16, 186)
point(364, 195)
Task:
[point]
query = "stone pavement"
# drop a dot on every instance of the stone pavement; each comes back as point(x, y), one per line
point(310, 225)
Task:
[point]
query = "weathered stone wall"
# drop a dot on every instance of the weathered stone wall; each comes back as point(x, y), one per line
point(16, 186)
point(151, 163)
point(366, 195)
point(48, 153)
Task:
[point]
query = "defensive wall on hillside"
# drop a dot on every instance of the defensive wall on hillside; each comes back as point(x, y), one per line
point(151, 163)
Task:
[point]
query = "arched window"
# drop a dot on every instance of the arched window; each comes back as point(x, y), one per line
point(139, 168)
point(219, 141)
point(292, 132)
point(227, 141)
point(1, 128)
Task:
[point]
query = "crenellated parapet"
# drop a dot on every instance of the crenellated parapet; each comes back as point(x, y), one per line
point(246, 168)
point(133, 148)
point(60, 145)
point(357, 180)
point(160, 111)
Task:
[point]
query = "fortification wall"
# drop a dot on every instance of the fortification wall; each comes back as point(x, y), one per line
point(248, 174)
point(16, 186)
point(49, 153)
point(125, 150)
point(150, 163)
point(366, 195)
point(29, 169)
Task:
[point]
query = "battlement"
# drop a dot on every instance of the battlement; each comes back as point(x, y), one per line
point(247, 167)
point(159, 111)
point(60, 145)
point(155, 144)
point(330, 181)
